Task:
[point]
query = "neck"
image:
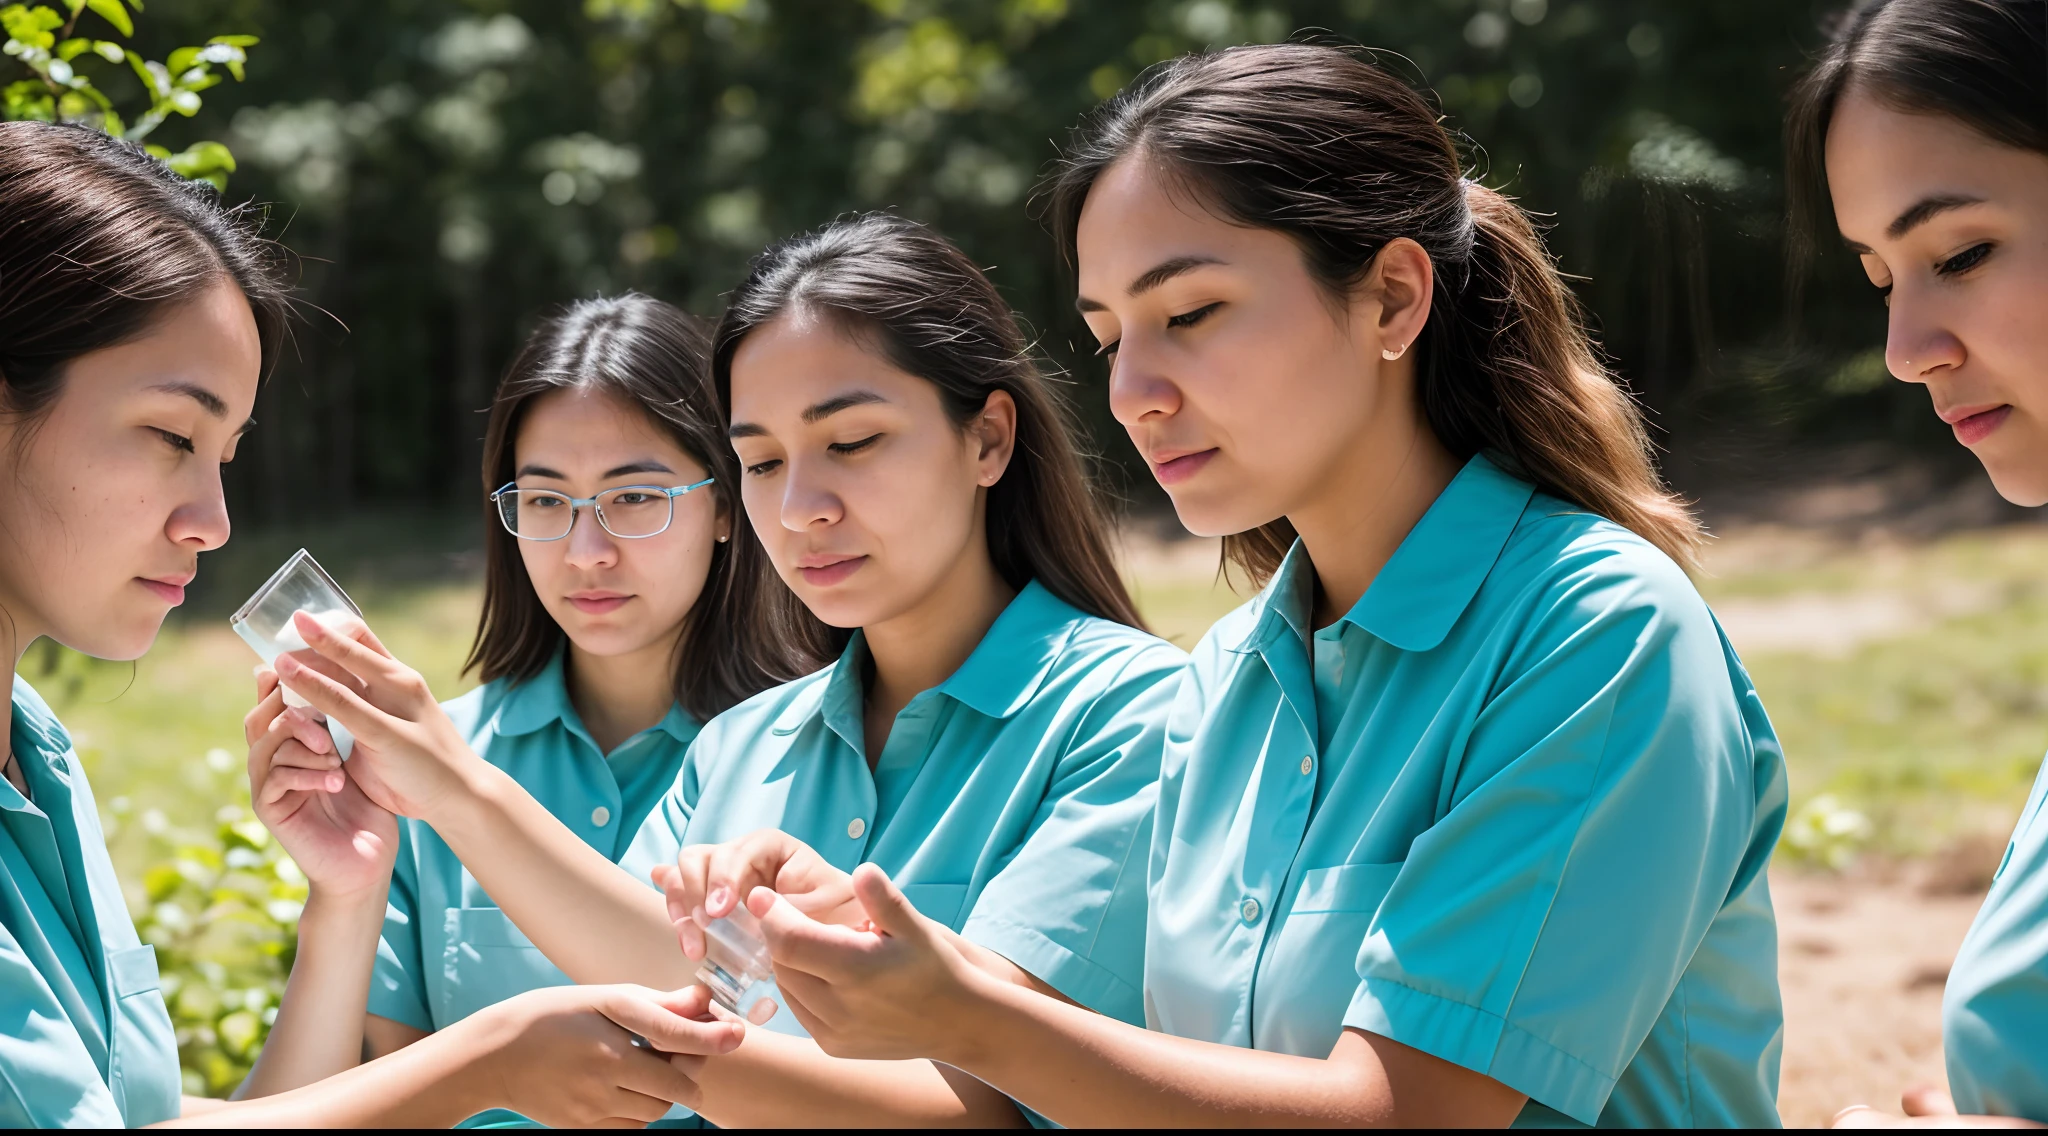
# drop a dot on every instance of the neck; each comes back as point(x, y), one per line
point(16, 638)
point(919, 649)
point(618, 696)
point(1380, 488)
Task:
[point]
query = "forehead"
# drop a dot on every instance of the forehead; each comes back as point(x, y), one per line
point(801, 360)
point(1882, 161)
point(1139, 215)
point(590, 418)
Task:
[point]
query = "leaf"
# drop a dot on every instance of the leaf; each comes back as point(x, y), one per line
point(111, 52)
point(236, 40)
point(181, 60)
point(112, 12)
point(71, 49)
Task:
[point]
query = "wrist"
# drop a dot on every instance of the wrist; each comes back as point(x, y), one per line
point(471, 792)
point(332, 910)
point(981, 1011)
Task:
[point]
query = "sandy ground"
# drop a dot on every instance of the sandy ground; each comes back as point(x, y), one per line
point(1862, 960)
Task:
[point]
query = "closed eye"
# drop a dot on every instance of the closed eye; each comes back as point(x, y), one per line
point(1190, 319)
point(1964, 261)
point(854, 447)
point(763, 469)
point(177, 441)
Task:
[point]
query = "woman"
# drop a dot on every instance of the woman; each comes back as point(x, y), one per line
point(137, 317)
point(1462, 820)
point(990, 731)
point(1926, 124)
point(608, 636)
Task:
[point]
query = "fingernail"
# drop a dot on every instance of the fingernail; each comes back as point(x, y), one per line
point(720, 897)
point(334, 782)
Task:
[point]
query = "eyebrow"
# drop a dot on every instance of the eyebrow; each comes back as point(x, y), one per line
point(1919, 213)
point(1159, 274)
point(813, 413)
point(208, 401)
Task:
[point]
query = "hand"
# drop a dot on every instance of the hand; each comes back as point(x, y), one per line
point(342, 841)
point(564, 1056)
point(1925, 1106)
point(896, 990)
point(708, 881)
point(408, 758)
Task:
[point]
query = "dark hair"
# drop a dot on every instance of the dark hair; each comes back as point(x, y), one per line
point(742, 636)
point(98, 240)
point(1322, 145)
point(1983, 63)
point(930, 311)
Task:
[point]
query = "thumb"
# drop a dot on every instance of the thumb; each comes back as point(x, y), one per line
point(1927, 1100)
point(888, 910)
point(665, 1019)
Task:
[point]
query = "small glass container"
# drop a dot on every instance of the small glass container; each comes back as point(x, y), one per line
point(265, 622)
point(736, 967)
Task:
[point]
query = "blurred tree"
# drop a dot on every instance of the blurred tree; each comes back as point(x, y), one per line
point(450, 167)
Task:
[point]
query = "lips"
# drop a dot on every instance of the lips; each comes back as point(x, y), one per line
point(598, 602)
point(1180, 467)
point(1975, 426)
point(823, 571)
point(170, 589)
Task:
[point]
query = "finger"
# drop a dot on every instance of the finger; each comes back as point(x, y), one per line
point(1927, 1100)
point(887, 907)
point(349, 648)
point(266, 681)
point(292, 751)
point(285, 779)
point(658, 1083)
point(1860, 1116)
point(336, 701)
point(311, 732)
point(692, 867)
point(741, 866)
point(262, 751)
point(800, 943)
point(333, 670)
point(269, 704)
point(649, 1014)
point(799, 996)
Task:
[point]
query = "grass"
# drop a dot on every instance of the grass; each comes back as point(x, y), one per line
point(1933, 729)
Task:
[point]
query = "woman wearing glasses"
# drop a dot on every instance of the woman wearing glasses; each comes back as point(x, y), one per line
point(989, 734)
point(618, 617)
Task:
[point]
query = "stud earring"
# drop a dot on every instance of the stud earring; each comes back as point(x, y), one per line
point(1392, 354)
point(721, 540)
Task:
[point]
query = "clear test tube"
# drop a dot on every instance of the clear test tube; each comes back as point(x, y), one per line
point(736, 967)
point(265, 621)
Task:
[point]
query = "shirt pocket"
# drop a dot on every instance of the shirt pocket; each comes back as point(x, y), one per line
point(939, 903)
point(485, 959)
point(1309, 970)
point(144, 1065)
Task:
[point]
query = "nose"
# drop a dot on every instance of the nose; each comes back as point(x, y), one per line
point(1917, 346)
point(807, 501)
point(589, 545)
point(1138, 389)
point(201, 524)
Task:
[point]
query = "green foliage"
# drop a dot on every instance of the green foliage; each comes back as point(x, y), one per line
point(60, 90)
point(221, 905)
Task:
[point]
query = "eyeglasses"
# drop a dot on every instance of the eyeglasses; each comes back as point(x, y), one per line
point(630, 512)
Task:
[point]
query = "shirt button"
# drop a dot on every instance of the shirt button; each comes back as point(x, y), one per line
point(600, 816)
point(855, 827)
point(1308, 766)
point(1249, 911)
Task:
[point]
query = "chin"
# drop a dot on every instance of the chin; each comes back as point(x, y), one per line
point(2022, 483)
point(1206, 517)
point(117, 645)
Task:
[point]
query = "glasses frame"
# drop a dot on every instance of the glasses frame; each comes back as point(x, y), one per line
point(578, 504)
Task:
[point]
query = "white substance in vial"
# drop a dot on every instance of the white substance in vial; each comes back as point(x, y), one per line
point(288, 639)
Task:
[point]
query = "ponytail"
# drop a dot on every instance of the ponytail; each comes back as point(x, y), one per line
point(1320, 144)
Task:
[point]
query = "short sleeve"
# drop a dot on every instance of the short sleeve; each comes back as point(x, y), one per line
point(1069, 907)
point(1602, 810)
point(47, 1078)
point(398, 979)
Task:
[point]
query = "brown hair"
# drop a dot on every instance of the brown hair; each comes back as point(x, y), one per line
point(97, 241)
point(743, 634)
point(929, 310)
point(1983, 63)
point(1320, 144)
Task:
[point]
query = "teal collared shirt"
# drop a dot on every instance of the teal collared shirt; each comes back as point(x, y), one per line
point(87, 1042)
point(1994, 1015)
point(448, 951)
point(1513, 810)
point(1012, 802)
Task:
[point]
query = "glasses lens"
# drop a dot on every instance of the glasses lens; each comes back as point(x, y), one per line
point(634, 510)
point(535, 514)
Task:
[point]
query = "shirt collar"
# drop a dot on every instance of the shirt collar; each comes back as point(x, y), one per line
point(1431, 579)
point(543, 700)
point(998, 679)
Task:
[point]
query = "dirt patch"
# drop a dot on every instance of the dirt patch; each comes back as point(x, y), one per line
point(1862, 959)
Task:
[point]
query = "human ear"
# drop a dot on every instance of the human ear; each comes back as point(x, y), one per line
point(1398, 291)
point(994, 431)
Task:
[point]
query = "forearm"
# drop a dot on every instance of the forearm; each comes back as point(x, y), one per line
point(1080, 1069)
point(584, 912)
point(319, 1024)
point(777, 1081)
point(433, 1084)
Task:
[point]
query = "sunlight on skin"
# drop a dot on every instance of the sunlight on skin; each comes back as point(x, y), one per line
point(1966, 282)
